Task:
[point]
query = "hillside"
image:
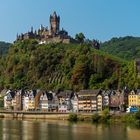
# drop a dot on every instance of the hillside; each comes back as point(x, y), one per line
point(4, 48)
point(127, 48)
point(60, 66)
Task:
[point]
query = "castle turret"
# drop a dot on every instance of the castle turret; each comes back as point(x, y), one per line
point(54, 24)
point(32, 29)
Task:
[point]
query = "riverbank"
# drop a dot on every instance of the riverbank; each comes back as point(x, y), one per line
point(33, 115)
point(88, 117)
point(103, 117)
point(42, 115)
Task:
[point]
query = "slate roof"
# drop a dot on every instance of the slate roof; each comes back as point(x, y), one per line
point(137, 91)
point(93, 92)
point(65, 94)
point(12, 93)
point(34, 92)
point(49, 95)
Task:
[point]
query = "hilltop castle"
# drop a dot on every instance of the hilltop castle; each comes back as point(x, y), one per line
point(51, 35)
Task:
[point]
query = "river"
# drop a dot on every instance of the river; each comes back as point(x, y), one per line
point(62, 130)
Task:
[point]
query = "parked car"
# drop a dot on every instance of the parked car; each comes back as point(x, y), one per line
point(132, 110)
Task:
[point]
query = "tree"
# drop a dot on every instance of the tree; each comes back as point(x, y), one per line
point(80, 37)
point(96, 44)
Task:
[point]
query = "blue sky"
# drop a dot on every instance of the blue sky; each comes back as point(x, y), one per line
point(98, 19)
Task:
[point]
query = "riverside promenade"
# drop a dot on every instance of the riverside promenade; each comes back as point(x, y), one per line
point(39, 115)
point(33, 115)
point(49, 115)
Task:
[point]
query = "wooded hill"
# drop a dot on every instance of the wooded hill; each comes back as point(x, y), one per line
point(127, 47)
point(4, 48)
point(64, 66)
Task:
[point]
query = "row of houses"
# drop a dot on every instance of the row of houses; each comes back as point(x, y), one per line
point(69, 101)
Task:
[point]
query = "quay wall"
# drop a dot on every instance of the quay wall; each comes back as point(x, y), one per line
point(41, 115)
point(35, 115)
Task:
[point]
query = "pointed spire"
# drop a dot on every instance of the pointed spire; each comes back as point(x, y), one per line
point(32, 30)
point(54, 14)
point(41, 27)
point(17, 36)
point(35, 32)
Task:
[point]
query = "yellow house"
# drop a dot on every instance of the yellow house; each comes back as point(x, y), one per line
point(134, 98)
point(31, 104)
point(30, 100)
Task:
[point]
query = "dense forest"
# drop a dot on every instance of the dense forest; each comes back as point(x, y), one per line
point(4, 48)
point(127, 47)
point(29, 65)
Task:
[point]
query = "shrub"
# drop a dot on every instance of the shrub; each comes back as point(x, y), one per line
point(106, 116)
point(81, 118)
point(137, 115)
point(73, 117)
point(128, 118)
point(95, 118)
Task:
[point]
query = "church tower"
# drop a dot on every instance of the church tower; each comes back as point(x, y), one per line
point(54, 24)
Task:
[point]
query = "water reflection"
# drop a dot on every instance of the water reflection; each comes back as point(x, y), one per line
point(133, 133)
point(46, 130)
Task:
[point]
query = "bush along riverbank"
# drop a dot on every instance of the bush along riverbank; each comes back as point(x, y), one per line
point(106, 117)
point(132, 118)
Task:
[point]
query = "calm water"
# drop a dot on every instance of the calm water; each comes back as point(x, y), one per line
point(56, 130)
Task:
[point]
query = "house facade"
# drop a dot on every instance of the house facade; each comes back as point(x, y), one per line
point(68, 101)
point(118, 100)
point(89, 100)
point(43, 104)
point(48, 101)
point(65, 104)
point(9, 100)
point(74, 101)
point(106, 98)
point(134, 98)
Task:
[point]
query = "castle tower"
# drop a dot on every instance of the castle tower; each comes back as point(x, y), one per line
point(54, 24)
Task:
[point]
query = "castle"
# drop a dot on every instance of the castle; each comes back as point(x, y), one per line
point(45, 36)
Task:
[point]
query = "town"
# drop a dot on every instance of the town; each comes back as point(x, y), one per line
point(69, 70)
point(69, 101)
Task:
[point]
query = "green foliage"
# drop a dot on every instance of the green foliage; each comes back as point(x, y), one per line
point(81, 118)
point(132, 118)
point(128, 118)
point(137, 115)
point(4, 48)
point(105, 116)
point(1, 103)
point(95, 118)
point(73, 117)
point(127, 47)
point(80, 37)
point(63, 66)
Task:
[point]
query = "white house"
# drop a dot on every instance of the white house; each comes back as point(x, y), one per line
point(48, 101)
point(8, 99)
point(43, 102)
point(29, 100)
point(74, 101)
point(65, 104)
point(25, 102)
